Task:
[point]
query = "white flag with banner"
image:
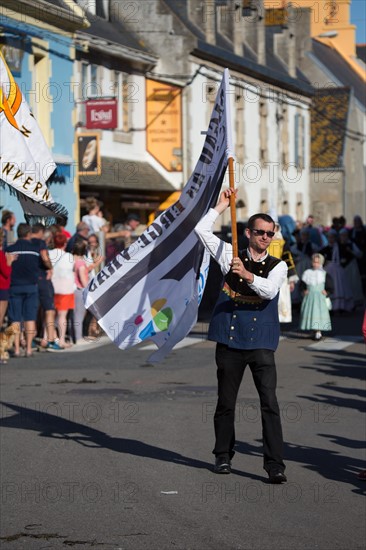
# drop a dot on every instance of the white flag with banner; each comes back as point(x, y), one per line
point(25, 160)
point(152, 289)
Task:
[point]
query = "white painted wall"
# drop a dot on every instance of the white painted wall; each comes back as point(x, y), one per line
point(253, 176)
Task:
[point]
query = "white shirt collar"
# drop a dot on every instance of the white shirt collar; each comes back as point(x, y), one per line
point(259, 260)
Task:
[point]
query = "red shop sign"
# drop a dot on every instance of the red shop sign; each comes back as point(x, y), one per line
point(101, 114)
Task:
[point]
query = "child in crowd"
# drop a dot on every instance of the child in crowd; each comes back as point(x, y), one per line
point(6, 261)
point(81, 281)
point(5, 274)
point(63, 280)
point(316, 285)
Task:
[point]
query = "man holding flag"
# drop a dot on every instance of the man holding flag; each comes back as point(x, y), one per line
point(246, 327)
point(152, 289)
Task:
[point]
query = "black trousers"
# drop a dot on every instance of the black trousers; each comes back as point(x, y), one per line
point(231, 365)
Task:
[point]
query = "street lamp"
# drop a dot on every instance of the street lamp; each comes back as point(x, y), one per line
point(327, 34)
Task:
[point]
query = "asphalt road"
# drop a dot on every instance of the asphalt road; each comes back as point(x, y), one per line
point(100, 449)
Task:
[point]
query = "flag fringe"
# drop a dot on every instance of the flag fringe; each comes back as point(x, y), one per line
point(58, 214)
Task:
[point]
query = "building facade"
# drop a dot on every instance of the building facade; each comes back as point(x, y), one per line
point(37, 41)
point(326, 53)
point(111, 73)
point(135, 83)
point(194, 41)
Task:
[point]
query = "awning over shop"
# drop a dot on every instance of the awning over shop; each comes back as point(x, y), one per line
point(127, 175)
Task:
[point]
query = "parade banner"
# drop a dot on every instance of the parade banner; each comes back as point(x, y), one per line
point(152, 289)
point(25, 160)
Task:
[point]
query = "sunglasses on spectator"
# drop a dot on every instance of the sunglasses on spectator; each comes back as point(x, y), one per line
point(261, 232)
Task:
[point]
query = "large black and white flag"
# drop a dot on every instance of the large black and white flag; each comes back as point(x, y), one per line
point(152, 290)
point(25, 160)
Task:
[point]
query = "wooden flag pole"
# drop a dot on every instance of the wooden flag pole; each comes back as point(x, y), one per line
point(234, 230)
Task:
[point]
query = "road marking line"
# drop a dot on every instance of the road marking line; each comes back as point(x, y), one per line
point(182, 344)
point(87, 345)
point(334, 344)
point(186, 342)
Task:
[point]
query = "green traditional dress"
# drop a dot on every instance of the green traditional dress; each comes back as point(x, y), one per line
point(314, 313)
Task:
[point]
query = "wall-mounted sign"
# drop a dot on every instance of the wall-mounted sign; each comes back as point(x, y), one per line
point(101, 114)
point(88, 154)
point(164, 124)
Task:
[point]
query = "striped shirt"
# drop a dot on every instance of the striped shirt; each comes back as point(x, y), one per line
point(26, 268)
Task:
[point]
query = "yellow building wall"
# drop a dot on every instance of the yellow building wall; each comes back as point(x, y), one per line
point(40, 67)
point(327, 16)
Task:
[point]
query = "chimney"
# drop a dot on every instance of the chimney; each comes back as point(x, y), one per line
point(209, 20)
point(238, 27)
point(303, 35)
point(291, 42)
point(261, 33)
point(254, 29)
point(284, 43)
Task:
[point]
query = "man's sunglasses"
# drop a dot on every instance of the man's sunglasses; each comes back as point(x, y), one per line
point(261, 232)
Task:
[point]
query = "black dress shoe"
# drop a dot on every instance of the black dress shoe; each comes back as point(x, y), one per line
point(276, 476)
point(222, 465)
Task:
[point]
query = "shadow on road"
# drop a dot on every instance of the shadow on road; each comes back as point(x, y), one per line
point(49, 425)
point(329, 464)
point(344, 364)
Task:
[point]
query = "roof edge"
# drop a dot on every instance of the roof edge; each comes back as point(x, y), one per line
point(42, 11)
point(232, 61)
point(121, 51)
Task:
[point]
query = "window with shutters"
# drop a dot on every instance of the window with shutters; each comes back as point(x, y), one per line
point(299, 141)
point(263, 149)
point(90, 87)
point(285, 136)
point(210, 92)
point(239, 125)
point(123, 93)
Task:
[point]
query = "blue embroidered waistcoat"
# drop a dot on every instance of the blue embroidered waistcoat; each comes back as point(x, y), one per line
point(241, 319)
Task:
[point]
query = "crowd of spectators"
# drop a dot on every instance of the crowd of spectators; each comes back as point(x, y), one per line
point(344, 251)
point(43, 272)
point(341, 250)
